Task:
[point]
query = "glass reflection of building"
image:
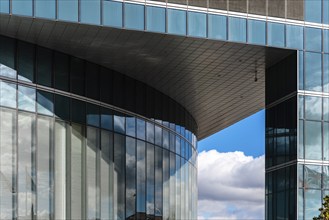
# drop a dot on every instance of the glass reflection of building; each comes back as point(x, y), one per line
point(78, 140)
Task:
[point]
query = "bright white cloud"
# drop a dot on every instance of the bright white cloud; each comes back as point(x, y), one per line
point(231, 185)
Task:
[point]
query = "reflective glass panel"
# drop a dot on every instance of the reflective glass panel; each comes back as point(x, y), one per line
point(131, 126)
point(217, 26)
point(312, 176)
point(313, 11)
point(275, 34)
point(312, 203)
point(7, 57)
point(4, 6)
point(326, 72)
point(22, 7)
point(313, 140)
point(130, 177)
point(62, 107)
point(44, 66)
point(106, 119)
point(256, 32)
point(140, 129)
point(141, 177)
point(326, 11)
point(313, 41)
point(176, 22)
point(25, 62)
point(150, 179)
point(93, 115)
point(326, 144)
point(150, 132)
point(313, 108)
point(90, 11)
point(45, 103)
point(197, 24)
point(26, 98)
point(313, 70)
point(112, 13)
point(68, 10)
point(156, 19)
point(134, 16)
point(326, 109)
point(237, 29)
point(45, 8)
point(119, 123)
point(301, 69)
point(326, 41)
point(7, 94)
point(78, 113)
point(294, 37)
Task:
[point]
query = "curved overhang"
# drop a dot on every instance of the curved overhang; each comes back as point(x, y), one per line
point(214, 80)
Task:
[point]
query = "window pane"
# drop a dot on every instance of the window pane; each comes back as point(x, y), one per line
point(165, 143)
point(22, 7)
point(217, 27)
point(45, 103)
point(150, 132)
point(68, 10)
point(294, 37)
point(313, 69)
point(312, 203)
point(61, 71)
point(326, 72)
point(158, 135)
point(119, 123)
point(313, 108)
point(256, 32)
point(93, 115)
point(150, 179)
point(44, 169)
point(237, 29)
point(313, 11)
point(26, 98)
point(90, 11)
point(134, 16)
point(4, 6)
point(7, 57)
point(131, 126)
point(326, 41)
point(158, 181)
point(312, 176)
point(44, 66)
point(325, 11)
point(313, 41)
point(77, 76)
point(62, 107)
point(140, 129)
point(156, 19)
point(326, 109)
point(275, 34)
point(196, 24)
point(301, 70)
point(326, 143)
point(112, 13)
point(141, 177)
point(7, 94)
point(176, 22)
point(45, 8)
point(78, 113)
point(130, 177)
point(25, 62)
point(106, 119)
point(313, 140)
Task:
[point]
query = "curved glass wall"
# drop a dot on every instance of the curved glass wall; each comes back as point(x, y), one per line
point(65, 155)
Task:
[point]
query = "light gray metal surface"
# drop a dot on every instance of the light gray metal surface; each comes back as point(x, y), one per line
point(213, 80)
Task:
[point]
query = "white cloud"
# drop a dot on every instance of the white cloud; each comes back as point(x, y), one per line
point(231, 186)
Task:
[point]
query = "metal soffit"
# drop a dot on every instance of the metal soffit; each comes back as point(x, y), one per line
point(213, 80)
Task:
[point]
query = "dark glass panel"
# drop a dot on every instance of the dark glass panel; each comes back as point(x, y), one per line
point(25, 61)
point(62, 107)
point(129, 93)
point(105, 80)
point(77, 76)
point(92, 81)
point(44, 66)
point(118, 89)
point(119, 122)
point(45, 103)
point(106, 119)
point(140, 98)
point(78, 111)
point(61, 71)
point(7, 57)
point(93, 116)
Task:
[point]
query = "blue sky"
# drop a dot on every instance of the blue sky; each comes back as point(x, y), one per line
point(247, 136)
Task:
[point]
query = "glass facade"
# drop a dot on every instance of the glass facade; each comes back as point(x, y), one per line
point(296, 110)
point(71, 158)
